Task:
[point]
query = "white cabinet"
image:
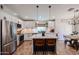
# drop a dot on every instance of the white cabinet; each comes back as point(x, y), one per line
point(27, 36)
point(51, 24)
point(28, 24)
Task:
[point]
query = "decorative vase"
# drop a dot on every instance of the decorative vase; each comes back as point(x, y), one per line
point(43, 33)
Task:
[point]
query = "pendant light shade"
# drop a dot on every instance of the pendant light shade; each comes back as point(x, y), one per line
point(49, 6)
point(37, 6)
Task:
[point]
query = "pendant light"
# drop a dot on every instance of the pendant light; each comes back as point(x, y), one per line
point(37, 11)
point(50, 17)
point(36, 16)
point(74, 20)
point(49, 11)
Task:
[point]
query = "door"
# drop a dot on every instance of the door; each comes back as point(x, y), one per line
point(9, 48)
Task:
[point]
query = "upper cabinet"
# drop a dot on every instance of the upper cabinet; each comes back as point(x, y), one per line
point(28, 24)
point(51, 24)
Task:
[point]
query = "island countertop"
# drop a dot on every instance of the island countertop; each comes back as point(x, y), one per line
point(47, 35)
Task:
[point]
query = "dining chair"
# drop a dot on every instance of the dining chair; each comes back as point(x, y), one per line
point(76, 44)
point(67, 40)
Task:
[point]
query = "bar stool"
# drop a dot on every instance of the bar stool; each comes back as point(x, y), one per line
point(39, 45)
point(51, 45)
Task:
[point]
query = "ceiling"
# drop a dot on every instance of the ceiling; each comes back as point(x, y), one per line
point(29, 11)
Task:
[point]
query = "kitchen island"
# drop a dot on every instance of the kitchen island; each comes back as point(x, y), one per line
point(50, 37)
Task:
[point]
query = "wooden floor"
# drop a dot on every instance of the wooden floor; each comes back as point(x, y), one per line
point(26, 49)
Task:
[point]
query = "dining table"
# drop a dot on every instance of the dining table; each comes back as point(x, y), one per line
point(74, 39)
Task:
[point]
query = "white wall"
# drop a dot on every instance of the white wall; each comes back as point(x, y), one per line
point(62, 28)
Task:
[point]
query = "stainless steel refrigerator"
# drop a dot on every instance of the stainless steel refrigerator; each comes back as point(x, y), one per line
point(8, 41)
